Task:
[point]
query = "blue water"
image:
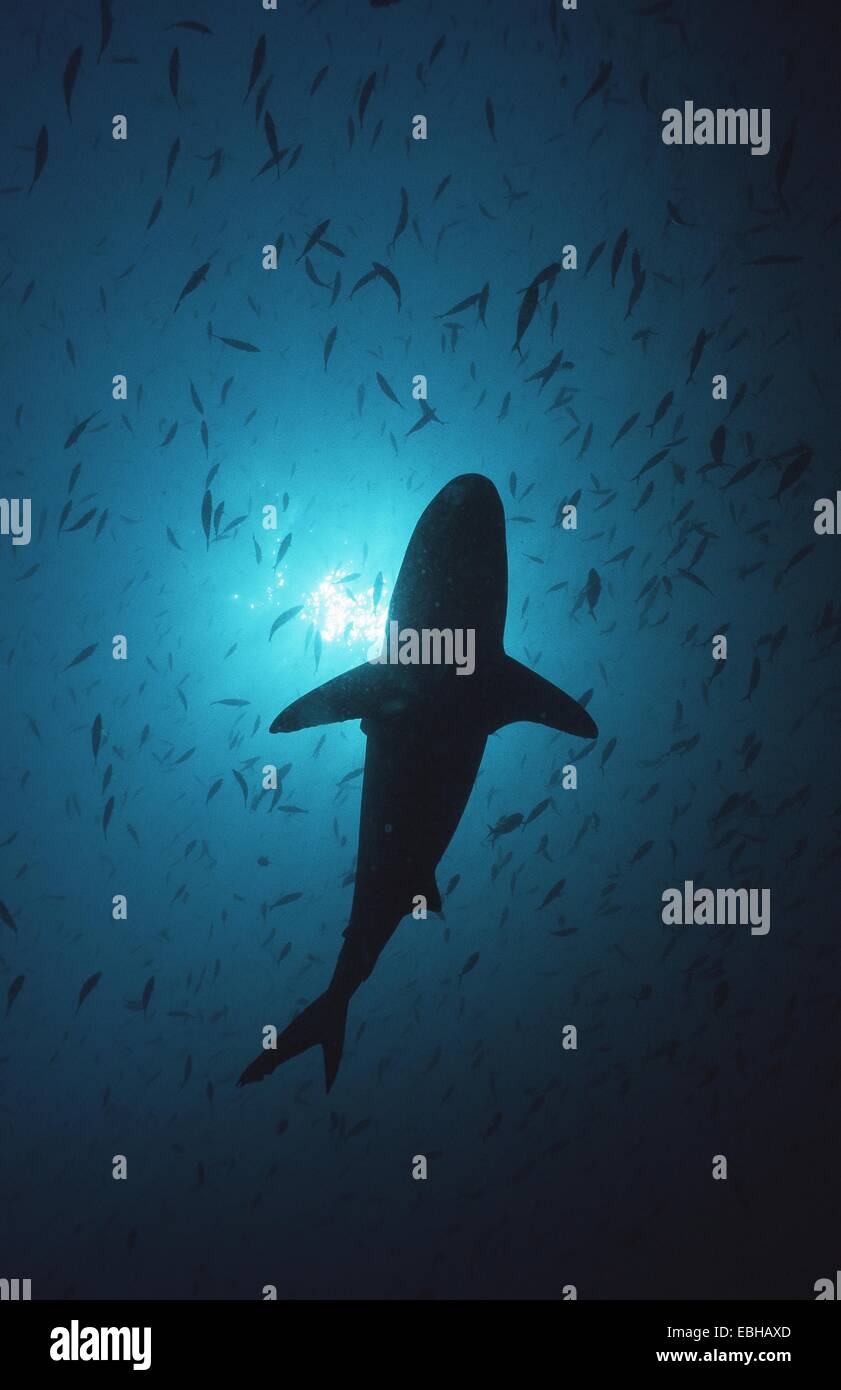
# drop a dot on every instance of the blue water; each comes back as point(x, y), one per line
point(547, 1167)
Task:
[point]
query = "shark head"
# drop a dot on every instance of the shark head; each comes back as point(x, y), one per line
point(455, 570)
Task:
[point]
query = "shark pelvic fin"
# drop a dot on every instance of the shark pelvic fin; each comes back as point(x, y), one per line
point(519, 695)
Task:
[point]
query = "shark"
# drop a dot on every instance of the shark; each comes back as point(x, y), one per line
point(426, 727)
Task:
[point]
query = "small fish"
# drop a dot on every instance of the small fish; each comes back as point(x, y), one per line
point(71, 72)
point(318, 79)
point(387, 390)
point(271, 136)
point(172, 157)
point(642, 851)
point(282, 548)
point(390, 279)
point(609, 748)
point(328, 345)
point(285, 900)
point(602, 76)
point(173, 430)
point(285, 618)
point(756, 671)
point(554, 892)
point(594, 256)
point(193, 283)
point(237, 343)
point(174, 69)
point(490, 117)
point(257, 62)
point(365, 96)
point(78, 430)
point(261, 99)
point(538, 810)
point(526, 314)
point(618, 253)
point(717, 445)
point(82, 656)
point(83, 520)
point(697, 352)
point(661, 410)
point(13, 991)
point(41, 149)
point(5, 915)
point(106, 24)
point(403, 218)
point(192, 24)
point(793, 472)
point(87, 987)
point(628, 425)
point(469, 964)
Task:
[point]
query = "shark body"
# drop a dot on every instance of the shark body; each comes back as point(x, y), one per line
point(426, 729)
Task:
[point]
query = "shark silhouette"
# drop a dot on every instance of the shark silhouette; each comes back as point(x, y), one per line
point(426, 728)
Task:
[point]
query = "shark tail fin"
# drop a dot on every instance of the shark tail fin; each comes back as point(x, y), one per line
point(322, 1024)
point(520, 695)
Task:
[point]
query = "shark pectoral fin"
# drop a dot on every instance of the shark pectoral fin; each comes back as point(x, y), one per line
point(369, 691)
point(519, 695)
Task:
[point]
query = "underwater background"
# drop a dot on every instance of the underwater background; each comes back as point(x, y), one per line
point(547, 1167)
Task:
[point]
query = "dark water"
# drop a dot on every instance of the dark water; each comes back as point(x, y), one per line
point(547, 1167)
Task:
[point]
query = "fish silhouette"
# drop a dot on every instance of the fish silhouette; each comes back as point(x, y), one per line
point(426, 728)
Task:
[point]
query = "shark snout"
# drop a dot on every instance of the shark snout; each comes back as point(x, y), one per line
point(469, 491)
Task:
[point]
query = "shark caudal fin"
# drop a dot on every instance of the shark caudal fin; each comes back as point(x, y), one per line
point(322, 1024)
point(518, 695)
